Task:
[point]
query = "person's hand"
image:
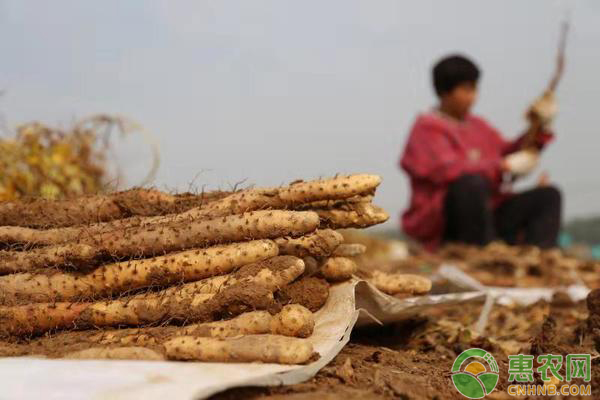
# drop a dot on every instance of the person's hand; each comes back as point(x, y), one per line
point(521, 163)
point(543, 110)
point(543, 180)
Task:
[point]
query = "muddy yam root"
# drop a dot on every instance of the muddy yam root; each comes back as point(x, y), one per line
point(160, 239)
point(85, 209)
point(117, 278)
point(293, 320)
point(264, 224)
point(297, 195)
point(69, 256)
point(250, 348)
point(273, 274)
point(116, 353)
point(42, 317)
point(145, 343)
point(143, 309)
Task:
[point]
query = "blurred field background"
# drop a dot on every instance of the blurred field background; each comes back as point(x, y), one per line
point(279, 90)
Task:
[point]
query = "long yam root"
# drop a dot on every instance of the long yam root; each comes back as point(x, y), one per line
point(85, 209)
point(273, 274)
point(173, 305)
point(141, 309)
point(41, 237)
point(42, 317)
point(288, 197)
point(250, 348)
point(295, 194)
point(160, 239)
point(71, 255)
point(66, 220)
point(400, 283)
point(321, 243)
point(117, 278)
point(116, 353)
point(293, 320)
point(264, 224)
point(37, 318)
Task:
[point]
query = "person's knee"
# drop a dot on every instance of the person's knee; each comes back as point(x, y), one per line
point(470, 185)
point(551, 195)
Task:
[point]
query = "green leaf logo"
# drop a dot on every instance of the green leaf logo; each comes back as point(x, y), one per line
point(475, 381)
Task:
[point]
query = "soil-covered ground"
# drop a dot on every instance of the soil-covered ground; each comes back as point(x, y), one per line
point(412, 360)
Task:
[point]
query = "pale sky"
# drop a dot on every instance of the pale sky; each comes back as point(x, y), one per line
point(272, 91)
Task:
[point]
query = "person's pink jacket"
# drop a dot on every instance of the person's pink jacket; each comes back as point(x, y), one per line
point(438, 151)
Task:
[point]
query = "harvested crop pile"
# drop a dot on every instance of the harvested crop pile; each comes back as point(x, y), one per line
point(496, 264)
point(147, 275)
point(522, 266)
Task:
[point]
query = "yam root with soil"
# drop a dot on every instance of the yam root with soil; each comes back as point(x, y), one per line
point(234, 275)
point(117, 278)
point(248, 348)
point(289, 197)
point(86, 209)
point(273, 273)
point(27, 236)
point(143, 309)
point(295, 194)
point(117, 353)
point(161, 239)
point(293, 320)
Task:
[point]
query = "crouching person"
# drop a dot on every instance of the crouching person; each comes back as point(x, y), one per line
point(461, 168)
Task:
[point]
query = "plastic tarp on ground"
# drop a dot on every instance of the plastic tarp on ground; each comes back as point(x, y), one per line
point(34, 378)
point(506, 295)
point(509, 295)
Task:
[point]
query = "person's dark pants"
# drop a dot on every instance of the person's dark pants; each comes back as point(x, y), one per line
point(531, 217)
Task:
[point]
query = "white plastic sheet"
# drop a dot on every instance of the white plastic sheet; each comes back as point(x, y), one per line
point(508, 295)
point(29, 378)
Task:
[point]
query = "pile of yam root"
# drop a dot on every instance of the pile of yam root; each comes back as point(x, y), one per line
point(218, 276)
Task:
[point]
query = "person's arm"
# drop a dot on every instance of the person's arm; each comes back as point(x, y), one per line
point(518, 156)
point(541, 138)
point(429, 155)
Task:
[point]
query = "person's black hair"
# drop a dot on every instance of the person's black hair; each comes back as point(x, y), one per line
point(452, 71)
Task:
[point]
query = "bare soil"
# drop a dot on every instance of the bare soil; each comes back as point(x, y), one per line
point(412, 360)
